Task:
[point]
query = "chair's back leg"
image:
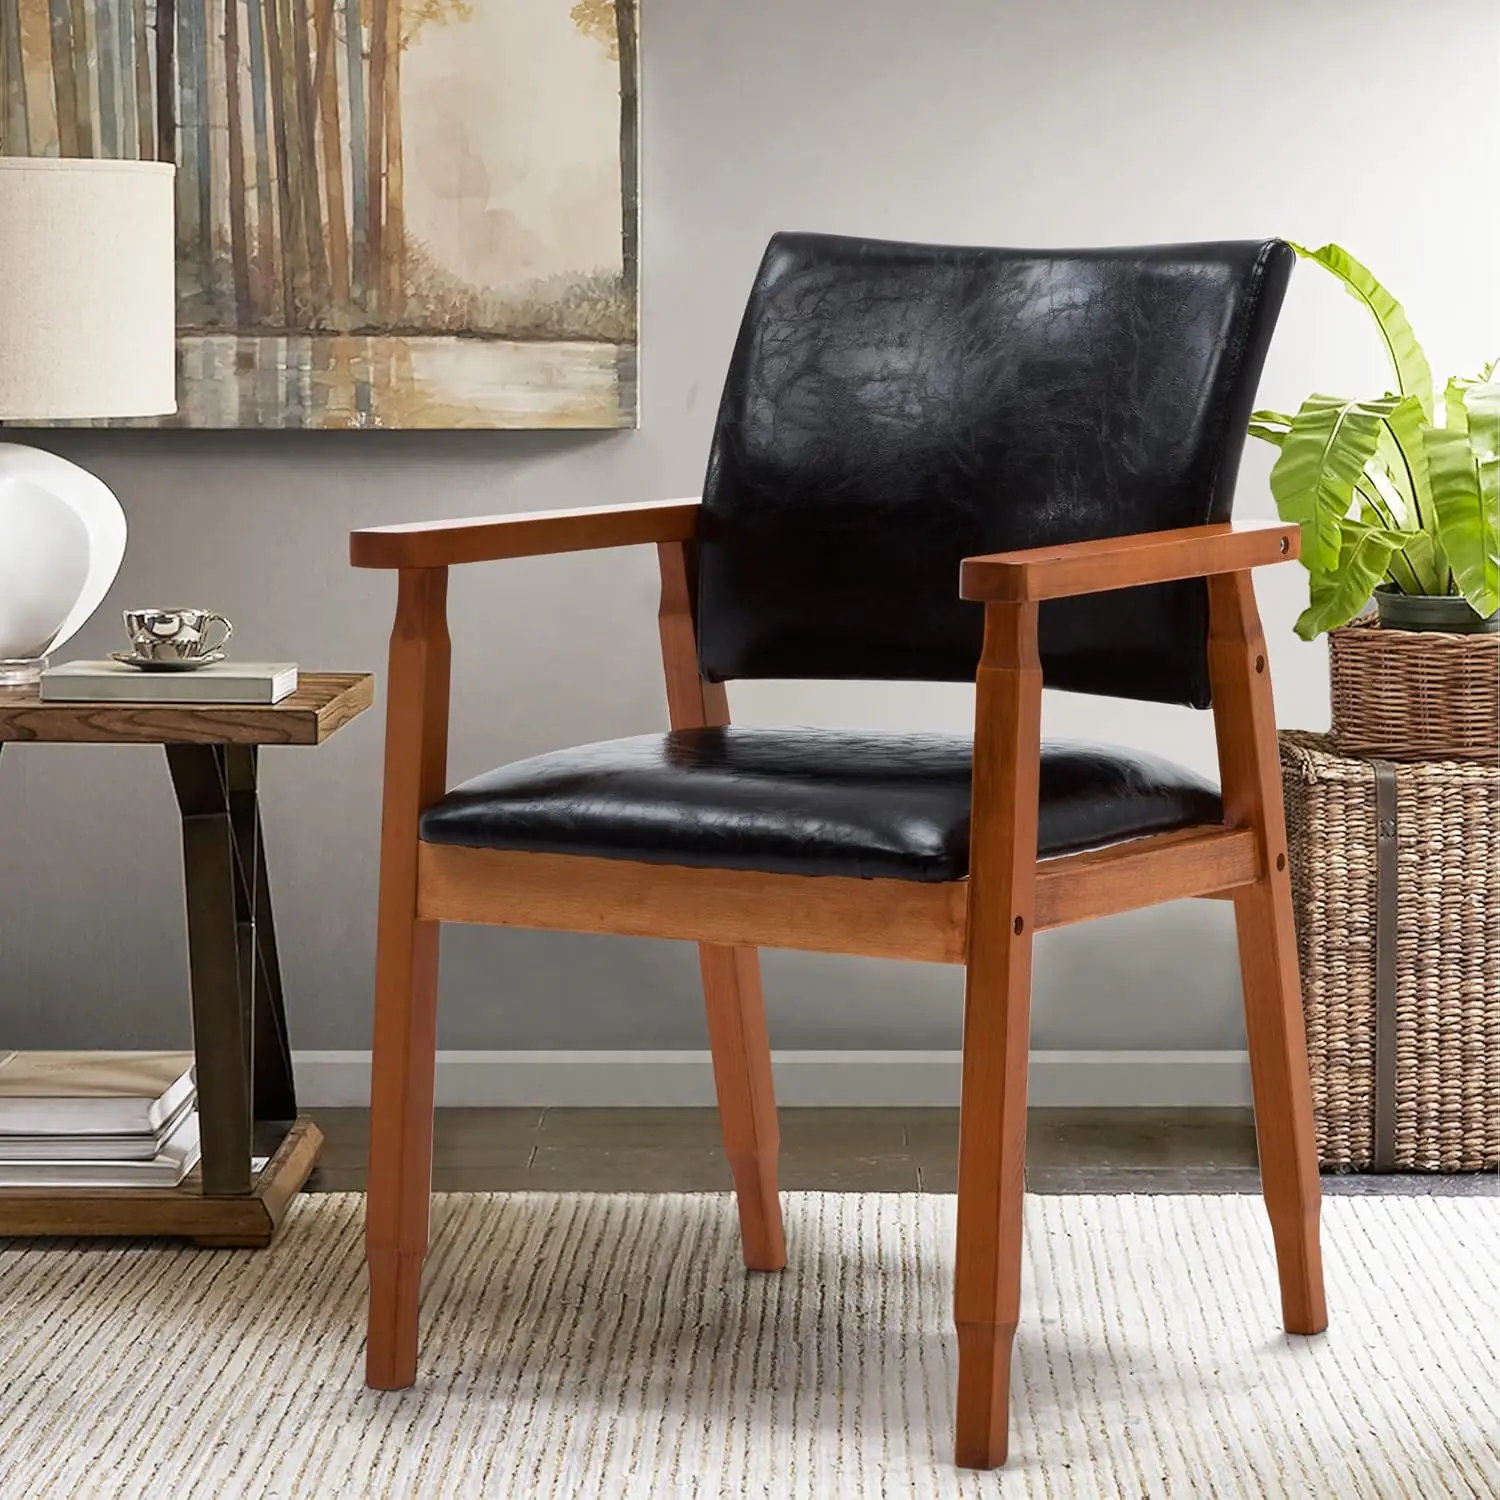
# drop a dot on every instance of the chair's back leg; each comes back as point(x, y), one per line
point(747, 1104)
point(1245, 724)
point(406, 966)
point(731, 976)
point(997, 1029)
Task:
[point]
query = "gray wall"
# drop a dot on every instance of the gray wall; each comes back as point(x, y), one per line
point(962, 120)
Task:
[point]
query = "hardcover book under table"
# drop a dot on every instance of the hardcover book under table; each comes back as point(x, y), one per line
point(246, 1097)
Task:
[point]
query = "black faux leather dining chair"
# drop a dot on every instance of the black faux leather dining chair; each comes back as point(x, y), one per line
point(929, 463)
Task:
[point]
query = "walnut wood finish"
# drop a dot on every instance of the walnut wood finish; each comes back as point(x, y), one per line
point(1127, 561)
point(737, 1037)
point(1245, 721)
point(692, 703)
point(1209, 861)
point(818, 913)
point(323, 702)
point(442, 544)
point(732, 908)
point(406, 971)
point(986, 921)
point(246, 1222)
point(997, 1028)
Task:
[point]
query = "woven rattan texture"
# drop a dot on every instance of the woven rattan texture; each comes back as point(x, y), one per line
point(1447, 954)
point(1415, 695)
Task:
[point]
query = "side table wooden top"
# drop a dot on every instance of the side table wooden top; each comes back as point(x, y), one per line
point(323, 702)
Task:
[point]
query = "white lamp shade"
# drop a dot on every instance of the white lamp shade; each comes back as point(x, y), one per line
point(87, 308)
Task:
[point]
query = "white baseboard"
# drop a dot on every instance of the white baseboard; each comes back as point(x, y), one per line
point(807, 1079)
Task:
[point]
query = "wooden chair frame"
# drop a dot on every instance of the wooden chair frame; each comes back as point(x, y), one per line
point(985, 922)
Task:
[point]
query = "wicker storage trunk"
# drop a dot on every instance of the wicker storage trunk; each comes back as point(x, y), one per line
point(1396, 882)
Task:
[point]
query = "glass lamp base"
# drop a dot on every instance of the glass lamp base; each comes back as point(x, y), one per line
point(21, 671)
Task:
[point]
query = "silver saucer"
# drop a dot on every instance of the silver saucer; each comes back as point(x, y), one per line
point(182, 664)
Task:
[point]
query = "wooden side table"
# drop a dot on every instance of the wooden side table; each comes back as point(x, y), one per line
point(246, 1099)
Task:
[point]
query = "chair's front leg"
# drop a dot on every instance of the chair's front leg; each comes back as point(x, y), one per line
point(997, 1028)
point(1245, 723)
point(406, 965)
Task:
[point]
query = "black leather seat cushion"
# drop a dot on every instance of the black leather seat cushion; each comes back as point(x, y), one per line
point(803, 801)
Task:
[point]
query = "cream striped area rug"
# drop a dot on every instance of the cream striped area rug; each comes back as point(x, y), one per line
point(581, 1346)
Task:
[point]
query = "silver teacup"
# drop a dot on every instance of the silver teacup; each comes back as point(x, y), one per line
point(176, 634)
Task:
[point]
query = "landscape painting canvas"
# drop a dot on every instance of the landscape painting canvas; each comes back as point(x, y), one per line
point(390, 213)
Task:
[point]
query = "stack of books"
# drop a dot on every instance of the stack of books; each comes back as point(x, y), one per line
point(97, 1119)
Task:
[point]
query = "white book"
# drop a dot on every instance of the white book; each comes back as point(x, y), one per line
point(92, 1093)
point(218, 682)
point(136, 1147)
point(177, 1157)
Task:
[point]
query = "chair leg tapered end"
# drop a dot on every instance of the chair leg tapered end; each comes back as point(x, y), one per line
point(1299, 1257)
point(982, 1428)
point(761, 1233)
point(395, 1295)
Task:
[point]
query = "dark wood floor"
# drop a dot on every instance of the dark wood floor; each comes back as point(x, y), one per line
point(839, 1150)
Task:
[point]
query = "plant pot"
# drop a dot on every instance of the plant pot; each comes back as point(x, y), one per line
point(1451, 614)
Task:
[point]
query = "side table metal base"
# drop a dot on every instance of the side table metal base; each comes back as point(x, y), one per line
point(239, 1021)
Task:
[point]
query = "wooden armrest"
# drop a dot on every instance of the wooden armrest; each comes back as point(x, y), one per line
point(440, 544)
point(1124, 562)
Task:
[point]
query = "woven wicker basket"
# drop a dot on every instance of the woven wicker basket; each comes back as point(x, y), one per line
point(1398, 931)
point(1415, 695)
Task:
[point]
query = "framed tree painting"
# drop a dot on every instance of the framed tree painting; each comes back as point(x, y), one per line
point(390, 213)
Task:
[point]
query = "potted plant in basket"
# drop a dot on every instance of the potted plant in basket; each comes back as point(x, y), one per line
point(1392, 817)
point(1398, 496)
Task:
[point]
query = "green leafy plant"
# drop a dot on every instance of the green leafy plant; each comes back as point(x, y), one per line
point(1402, 490)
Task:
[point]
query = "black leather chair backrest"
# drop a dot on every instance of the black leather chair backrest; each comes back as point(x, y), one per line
point(892, 408)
